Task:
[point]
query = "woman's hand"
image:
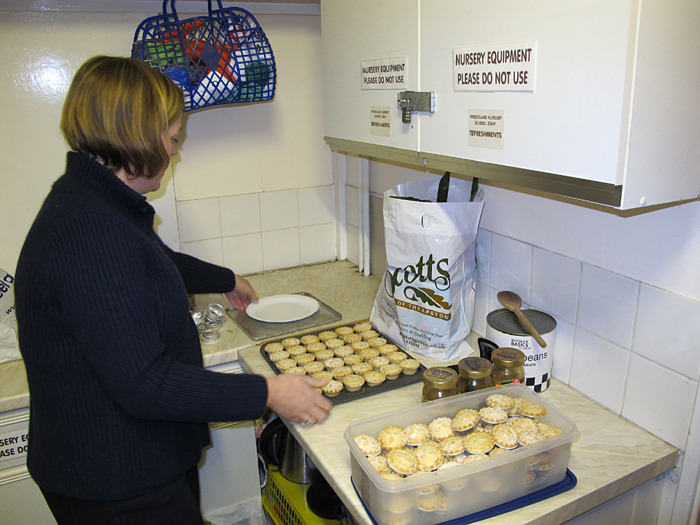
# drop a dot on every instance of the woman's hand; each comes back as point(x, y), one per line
point(293, 397)
point(242, 294)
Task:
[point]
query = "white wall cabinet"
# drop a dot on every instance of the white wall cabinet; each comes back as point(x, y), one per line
point(354, 31)
point(609, 113)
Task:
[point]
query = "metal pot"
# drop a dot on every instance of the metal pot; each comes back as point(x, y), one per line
point(278, 447)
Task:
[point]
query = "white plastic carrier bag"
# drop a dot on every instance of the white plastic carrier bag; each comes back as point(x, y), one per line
point(426, 300)
point(9, 350)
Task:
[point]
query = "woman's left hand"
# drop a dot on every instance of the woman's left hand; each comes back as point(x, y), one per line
point(242, 294)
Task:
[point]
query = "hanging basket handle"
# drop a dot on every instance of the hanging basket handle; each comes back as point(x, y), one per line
point(173, 13)
point(221, 7)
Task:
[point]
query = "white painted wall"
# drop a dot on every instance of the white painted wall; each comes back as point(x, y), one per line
point(252, 187)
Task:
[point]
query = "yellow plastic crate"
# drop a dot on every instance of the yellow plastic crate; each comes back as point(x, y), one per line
point(285, 502)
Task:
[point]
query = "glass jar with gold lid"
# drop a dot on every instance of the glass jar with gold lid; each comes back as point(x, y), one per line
point(474, 374)
point(439, 382)
point(507, 366)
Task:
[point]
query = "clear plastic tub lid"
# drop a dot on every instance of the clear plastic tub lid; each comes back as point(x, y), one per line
point(448, 407)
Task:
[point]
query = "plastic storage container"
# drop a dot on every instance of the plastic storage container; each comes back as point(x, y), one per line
point(466, 488)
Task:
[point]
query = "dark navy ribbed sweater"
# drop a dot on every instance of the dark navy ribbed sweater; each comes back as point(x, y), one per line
point(118, 397)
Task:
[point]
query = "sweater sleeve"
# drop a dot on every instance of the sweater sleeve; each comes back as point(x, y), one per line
point(200, 276)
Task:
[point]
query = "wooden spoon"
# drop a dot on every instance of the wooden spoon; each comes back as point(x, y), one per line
point(512, 302)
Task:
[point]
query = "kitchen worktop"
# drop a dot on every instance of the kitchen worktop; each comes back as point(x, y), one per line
point(610, 457)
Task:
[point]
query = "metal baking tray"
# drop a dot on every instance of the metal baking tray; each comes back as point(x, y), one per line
point(259, 330)
point(366, 390)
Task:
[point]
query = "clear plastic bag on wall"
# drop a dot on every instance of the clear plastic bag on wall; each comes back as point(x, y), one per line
point(9, 349)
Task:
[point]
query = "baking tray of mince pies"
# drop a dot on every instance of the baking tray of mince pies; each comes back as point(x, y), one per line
point(356, 359)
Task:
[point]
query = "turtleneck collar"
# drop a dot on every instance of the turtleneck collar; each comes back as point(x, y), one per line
point(88, 175)
point(95, 177)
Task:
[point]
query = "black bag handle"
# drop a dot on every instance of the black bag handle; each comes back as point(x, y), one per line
point(443, 188)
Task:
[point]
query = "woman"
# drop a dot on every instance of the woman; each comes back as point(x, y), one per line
point(119, 397)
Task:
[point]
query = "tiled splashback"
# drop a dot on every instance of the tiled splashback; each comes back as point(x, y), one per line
point(625, 344)
point(629, 345)
point(261, 231)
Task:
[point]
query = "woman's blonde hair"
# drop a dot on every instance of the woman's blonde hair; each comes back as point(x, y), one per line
point(117, 109)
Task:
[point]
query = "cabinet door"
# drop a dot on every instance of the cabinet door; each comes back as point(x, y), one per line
point(569, 120)
point(608, 112)
point(358, 32)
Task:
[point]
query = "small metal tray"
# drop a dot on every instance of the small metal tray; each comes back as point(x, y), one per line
point(259, 330)
point(366, 390)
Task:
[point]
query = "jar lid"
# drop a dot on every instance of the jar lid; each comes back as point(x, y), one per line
point(507, 357)
point(507, 322)
point(475, 367)
point(440, 377)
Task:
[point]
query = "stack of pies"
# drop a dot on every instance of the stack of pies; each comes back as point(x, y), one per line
point(469, 435)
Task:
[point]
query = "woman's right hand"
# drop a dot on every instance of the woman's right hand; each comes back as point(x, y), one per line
point(293, 397)
point(242, 295)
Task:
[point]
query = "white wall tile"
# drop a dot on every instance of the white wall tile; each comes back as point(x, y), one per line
point(384, 176)
point(317, 243)
point(492, 300)
point(607, 305)
point(377, 243)
point(279, 210)
point(483, 255)
point(599, 369)
point(351, 206)
point(562, 351)
point(481, 308)
point(247, 148)
point(353, 244)
point(511, 264)
point(240, 214)
point(208, 250)
point(198, 219)
point(280, 249)
point(243, 253)
point(353, 165)
point(555, 284)
point(659, 400)
point(163, 201)
point(316, 205)
point(667, 330)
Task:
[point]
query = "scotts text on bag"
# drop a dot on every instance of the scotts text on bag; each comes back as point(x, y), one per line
point(411, 273)
point(435, 273)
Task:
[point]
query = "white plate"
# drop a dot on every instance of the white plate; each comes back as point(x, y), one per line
point(282, 308)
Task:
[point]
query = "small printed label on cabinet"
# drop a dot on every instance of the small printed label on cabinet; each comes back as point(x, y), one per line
point(486, 128)
point(380, 121)
point(384, 73)
point(495, 67)
point(13, 445)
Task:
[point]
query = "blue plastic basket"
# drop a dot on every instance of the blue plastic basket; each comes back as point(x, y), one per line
point(220, 59)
